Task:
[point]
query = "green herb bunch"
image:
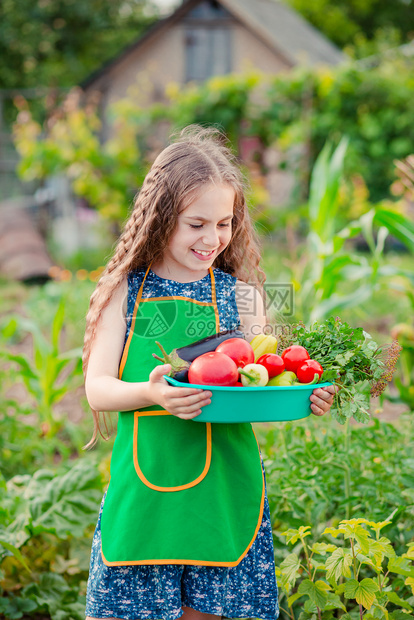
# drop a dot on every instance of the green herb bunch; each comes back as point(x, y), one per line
point(352, 360)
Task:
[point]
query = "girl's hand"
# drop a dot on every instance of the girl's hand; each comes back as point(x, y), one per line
point(184, 403)
point(322, 399)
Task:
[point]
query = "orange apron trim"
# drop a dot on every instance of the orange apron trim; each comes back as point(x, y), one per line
point(139, 299)
point(193, 562)
point(138, 469)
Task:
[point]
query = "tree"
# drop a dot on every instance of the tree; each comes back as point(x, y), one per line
point(59, 42)
point(342, 20)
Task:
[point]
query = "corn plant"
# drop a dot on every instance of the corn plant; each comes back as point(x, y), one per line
point(48, 375)
point(404, 332)
point(328, 263)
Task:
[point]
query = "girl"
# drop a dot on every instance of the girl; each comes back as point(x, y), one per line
point(184, 527)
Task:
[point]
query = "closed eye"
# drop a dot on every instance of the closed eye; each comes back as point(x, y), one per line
point(200, 225)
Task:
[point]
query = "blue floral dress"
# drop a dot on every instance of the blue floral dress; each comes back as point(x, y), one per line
point(153, 592)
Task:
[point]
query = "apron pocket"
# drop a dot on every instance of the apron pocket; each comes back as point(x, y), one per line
point(170, 454)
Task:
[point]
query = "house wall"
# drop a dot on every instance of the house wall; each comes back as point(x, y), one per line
point(251, 52)
point(145, 72)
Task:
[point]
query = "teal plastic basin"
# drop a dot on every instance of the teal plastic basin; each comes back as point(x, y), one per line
point(254, 404)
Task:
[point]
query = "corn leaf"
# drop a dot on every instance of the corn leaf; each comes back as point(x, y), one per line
point(398, 225)
point(17, 554)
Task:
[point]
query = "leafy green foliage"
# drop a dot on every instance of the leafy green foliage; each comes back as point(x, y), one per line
point(48, 377)
point(349, 358)
point(53, 595)
point(107, 174)
point(42, 40)
point(319, 473)
point(47, 515)
point(324, 187)
point(221, 100)
point(43, 519)
point(339, 563)
point(345, 587)
point(15, 607)
point(326, 262)
point(46, 45)
point(63, 505)
point(343, 21)
point(41, 377)
point(369, 106)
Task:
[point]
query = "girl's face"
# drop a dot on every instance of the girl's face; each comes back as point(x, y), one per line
point(203, 231)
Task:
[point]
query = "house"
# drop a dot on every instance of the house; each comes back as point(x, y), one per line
point(202, 38)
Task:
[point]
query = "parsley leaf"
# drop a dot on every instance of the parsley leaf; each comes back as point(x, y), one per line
point(350, 358)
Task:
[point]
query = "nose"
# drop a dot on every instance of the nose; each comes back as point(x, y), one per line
point(211, 237)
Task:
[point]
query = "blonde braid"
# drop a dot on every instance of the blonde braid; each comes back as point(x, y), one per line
point(120, 264)
point(115, 270)
point(110, 279)
point(132, 250)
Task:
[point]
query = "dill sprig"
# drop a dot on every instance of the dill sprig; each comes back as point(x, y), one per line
point(388, 354)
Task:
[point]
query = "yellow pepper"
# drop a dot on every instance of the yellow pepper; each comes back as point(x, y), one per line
point(263, 343)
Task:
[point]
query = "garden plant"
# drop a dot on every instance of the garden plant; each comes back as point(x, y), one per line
point(341, 496)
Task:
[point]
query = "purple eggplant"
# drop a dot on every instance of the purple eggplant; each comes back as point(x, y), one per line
point(180, 359)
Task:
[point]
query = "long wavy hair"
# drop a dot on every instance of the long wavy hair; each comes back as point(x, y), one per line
point(197, 157)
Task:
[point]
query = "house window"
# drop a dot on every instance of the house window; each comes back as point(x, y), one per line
point(207, 11)
point(207, 41)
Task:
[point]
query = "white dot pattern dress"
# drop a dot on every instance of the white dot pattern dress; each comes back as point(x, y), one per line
point(153, 592)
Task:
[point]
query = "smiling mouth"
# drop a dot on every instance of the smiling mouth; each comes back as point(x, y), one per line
point(204, 252)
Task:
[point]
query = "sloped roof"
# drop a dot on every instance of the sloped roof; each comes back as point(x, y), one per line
point(152, 31)
point(286, 30)
point(279, 26)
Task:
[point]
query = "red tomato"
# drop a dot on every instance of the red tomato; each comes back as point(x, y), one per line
point(307, 371)
point(240, 351)
point(273, 364)
point(213, 369)
point(294, 356)
point(239, 384)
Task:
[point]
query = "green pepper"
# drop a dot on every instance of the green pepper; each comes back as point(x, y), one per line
point(315, 379)
point(287, 377)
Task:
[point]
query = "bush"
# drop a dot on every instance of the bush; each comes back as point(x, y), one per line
point(374, 107)
point(352, 489)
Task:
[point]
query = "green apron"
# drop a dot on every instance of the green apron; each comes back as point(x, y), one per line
point(180, 492)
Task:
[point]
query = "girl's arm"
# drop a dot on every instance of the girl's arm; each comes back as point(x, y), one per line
point(252, 314)
point(105, 392)
point(251, 310)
